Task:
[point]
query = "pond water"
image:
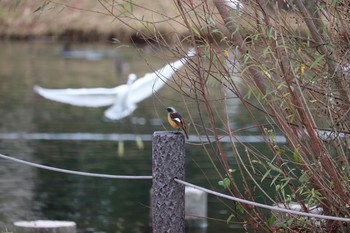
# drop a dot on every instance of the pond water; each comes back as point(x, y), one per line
point(81, 139)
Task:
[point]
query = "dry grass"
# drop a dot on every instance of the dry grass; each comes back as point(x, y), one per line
point(92, 20)
point(88, 19)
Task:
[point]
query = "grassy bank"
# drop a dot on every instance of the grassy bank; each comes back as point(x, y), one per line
point(87, 20)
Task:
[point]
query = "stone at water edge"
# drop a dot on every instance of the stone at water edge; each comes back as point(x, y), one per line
point(45, 226)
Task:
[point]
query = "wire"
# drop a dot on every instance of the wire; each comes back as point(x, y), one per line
point(262, 205)
point(179, 181)
point(74, 172)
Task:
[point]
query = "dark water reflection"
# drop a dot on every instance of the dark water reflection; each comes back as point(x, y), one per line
point(97, 205)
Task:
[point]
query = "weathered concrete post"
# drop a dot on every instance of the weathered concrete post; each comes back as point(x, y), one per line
point(168, 196)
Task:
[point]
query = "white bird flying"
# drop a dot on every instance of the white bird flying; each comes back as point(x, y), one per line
point(123, 98)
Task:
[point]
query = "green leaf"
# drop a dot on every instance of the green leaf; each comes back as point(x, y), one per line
point(211, 21)
point(287, 179)
point(239, 208)
point(304, 178)
point(196, 32)
point(290, 221)
point(271, 220)
point(274, 168)
point(265, 175)
point(225, 182)
point(274, 179)
point(317, 61)
point(297, 156)
point(230, 218)
point(232, 170)
point(249, 94)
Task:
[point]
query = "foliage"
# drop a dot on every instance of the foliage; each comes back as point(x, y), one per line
point(294, 65)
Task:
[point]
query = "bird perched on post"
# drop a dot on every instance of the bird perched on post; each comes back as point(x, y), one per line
point(176, 121)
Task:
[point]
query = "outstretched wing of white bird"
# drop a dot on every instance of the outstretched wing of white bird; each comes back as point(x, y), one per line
point(123, 98)
point(86, 97)
point(153, 82)
point(83, 97)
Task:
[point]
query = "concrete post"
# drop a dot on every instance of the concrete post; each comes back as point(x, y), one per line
point(168, 197)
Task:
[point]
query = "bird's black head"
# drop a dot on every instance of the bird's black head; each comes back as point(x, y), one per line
point(171, 109)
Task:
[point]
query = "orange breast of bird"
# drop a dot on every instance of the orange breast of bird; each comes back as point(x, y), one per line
point(173, 123)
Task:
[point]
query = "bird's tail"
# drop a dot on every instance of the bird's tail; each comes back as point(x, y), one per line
point(186, 134)
point(184, 129)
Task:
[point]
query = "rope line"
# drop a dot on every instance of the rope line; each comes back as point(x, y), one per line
point(181, 182)
point(73, 172)
point(262, 205)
